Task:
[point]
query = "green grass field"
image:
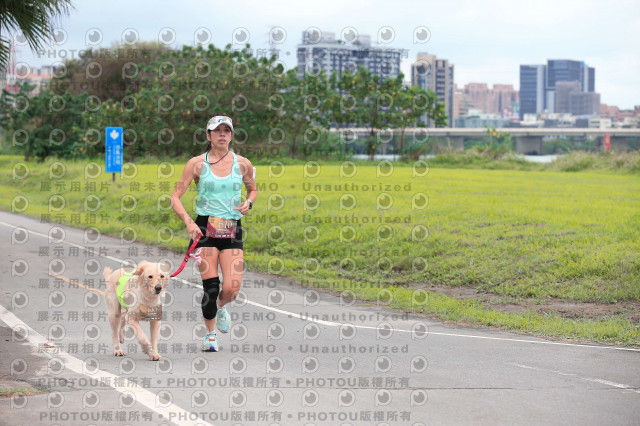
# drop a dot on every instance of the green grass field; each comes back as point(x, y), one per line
point(543, 252)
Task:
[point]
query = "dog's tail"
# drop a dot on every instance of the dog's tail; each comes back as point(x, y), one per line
point(107, 273)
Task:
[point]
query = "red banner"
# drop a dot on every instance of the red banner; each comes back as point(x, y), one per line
point(607, 142)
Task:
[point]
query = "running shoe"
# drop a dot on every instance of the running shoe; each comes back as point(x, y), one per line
point(210, 343)
point(223, 319)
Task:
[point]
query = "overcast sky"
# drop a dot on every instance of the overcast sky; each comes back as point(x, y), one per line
point(486, 40)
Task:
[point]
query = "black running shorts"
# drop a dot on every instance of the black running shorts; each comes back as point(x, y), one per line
point(219, 243)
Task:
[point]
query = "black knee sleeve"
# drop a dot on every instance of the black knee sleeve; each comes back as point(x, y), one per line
point(211, 288)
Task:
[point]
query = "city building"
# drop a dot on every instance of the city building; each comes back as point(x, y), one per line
point(564, 90)
point(600, 123)
point(588, 79)
point(557, 120)
point(22, 73)
point(433, 74)
point(566, 70)
point(501, 99)
point(533, 83)
point(581, 103)
point(478, 96)
point(562, 70)
point(475, 119)
point(550, 87)
point(569, 70)
point(461, 104)
point(504, 99)
point(322, 51)
point(629, 122)
point(531, 120)
point(618, 115)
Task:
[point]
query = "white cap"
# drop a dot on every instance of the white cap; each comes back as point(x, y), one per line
point(218, 120)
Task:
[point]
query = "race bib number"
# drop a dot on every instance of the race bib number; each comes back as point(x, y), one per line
point(221, 228)
point(150, 313)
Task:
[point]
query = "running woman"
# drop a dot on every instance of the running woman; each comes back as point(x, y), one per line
point(219, 174)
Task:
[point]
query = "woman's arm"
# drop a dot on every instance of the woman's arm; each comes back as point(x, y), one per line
point(188, 174)
point(246, 168)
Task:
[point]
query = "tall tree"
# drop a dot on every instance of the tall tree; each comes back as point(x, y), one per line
point(411, 104)
point(301, 105)
point(340, 105)
point(181, 89)
point(44, 125)
point(35, 18)
point(112, 76)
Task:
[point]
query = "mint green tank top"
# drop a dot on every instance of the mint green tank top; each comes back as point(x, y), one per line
point(219, 196)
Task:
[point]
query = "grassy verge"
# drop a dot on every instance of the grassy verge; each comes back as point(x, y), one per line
point(397, 235)
point(609, 162)
point(477, 158)
point(9, 388)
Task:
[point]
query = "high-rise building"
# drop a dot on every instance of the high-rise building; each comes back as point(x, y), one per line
point(461, 104)
point(503, 98)
point(566, 70)
point(499, 99)
point(549, 87)
point(588, 79)
point(431, 73)
point(581, 103)
point(569, 70)
point(564, 90)
point(563, 70)
point(479, 96)
point(322, 51)
point(533, 82)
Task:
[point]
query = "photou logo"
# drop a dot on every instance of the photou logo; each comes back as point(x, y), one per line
point(275, 398)
point(167, 36)
point(202, 36)
point(93, 37)
point(275, 365)
point(130, 36)
point(240, 36)
point(277, 35)
point(421, 35)
point(386, 35)
point(310, 365)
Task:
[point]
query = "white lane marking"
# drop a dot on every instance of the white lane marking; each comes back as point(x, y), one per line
point(142, 395)
point(614, 384)
point(541, 342)
point(335, 324)
point(587, 379)
point(66, 242)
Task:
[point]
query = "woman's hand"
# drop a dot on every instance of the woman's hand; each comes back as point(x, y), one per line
point(193, 230)
point(243, 207)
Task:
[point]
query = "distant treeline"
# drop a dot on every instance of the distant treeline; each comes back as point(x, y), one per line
point(163, 98)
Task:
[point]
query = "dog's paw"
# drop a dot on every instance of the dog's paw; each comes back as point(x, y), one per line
point(118, 352)
point(155, 356)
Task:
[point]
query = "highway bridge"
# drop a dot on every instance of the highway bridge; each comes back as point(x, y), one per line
point(528, 140)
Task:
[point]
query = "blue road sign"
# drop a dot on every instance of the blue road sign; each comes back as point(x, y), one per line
point(114, 152)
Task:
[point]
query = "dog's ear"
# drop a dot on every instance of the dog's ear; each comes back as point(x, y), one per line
point(141, 267)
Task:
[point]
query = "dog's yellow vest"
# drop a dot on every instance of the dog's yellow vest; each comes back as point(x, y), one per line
point(122, 283)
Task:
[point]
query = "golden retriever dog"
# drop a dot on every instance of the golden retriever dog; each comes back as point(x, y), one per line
point(140, 293)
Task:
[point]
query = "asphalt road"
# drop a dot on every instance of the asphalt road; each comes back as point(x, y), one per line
point(292, 356)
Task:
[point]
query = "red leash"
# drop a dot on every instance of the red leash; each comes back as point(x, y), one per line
point(186, 257)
